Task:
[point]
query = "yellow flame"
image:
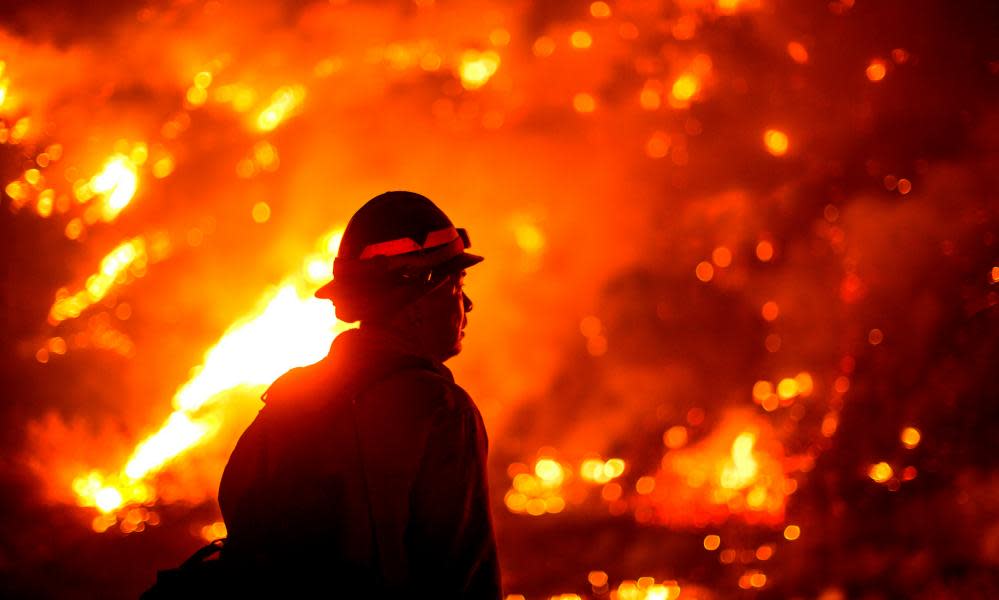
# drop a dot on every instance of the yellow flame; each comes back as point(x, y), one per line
point(741, 470)
point(99, 284)
point(283, 104)
point(4, 83)
point(477, 67)
point(117, 182)
point(292, 328)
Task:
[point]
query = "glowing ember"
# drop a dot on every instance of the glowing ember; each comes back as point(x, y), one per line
point(600, 10)
point(910, 437)
point(880, 472)
point(645, 588)
point(598, 471)
point(476, 68)
point(539, 492)
point(776, 142)
point(685, 87)
point(798, 52)
point(876, 70)
point(215, 531)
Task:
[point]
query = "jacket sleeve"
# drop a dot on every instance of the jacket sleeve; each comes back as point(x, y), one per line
point(450, 530)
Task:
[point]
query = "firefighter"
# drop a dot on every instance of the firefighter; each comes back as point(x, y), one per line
point(364, 475)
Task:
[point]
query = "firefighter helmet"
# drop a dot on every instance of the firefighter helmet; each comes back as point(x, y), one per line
point(395, 248)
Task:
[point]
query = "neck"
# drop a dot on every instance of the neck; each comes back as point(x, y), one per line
point(403, 340)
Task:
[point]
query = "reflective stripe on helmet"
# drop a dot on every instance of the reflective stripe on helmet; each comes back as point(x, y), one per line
point(406, 245)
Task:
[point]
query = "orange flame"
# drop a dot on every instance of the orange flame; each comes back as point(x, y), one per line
point(292, 328)
point(739, 469)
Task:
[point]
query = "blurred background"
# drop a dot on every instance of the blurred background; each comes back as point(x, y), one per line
point(735, 335)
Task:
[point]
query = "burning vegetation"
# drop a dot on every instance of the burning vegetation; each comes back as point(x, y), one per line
point(736, 335)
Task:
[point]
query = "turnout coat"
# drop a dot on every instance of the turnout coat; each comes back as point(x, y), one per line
point(364, 475)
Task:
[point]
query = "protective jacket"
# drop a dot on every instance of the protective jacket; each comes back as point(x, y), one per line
point(364, 475)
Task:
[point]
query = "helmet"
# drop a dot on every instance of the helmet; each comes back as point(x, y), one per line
point(395, 248)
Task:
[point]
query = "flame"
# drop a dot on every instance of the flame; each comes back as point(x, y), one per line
point(292, 328)
point(742, 469)
point(4, 83)
point(285, 101)
point(113, 267)
point(726, 473)
point(117, 182)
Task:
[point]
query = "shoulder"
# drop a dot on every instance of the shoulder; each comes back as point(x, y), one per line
point(299, 381)
point(430, 390)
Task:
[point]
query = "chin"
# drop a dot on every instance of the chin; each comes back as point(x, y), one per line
point(454, 351)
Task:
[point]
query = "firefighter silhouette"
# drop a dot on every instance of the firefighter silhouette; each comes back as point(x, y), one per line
point(365, 473)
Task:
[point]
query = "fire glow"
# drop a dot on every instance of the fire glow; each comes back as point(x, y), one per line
point(700, 218)
point(291, 329)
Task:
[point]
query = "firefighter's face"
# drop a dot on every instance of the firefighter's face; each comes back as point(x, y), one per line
point(442, 317)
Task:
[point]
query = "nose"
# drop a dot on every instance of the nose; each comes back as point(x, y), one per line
point(467, 301)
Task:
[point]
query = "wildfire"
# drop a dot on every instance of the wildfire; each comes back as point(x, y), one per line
point(291, 328)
